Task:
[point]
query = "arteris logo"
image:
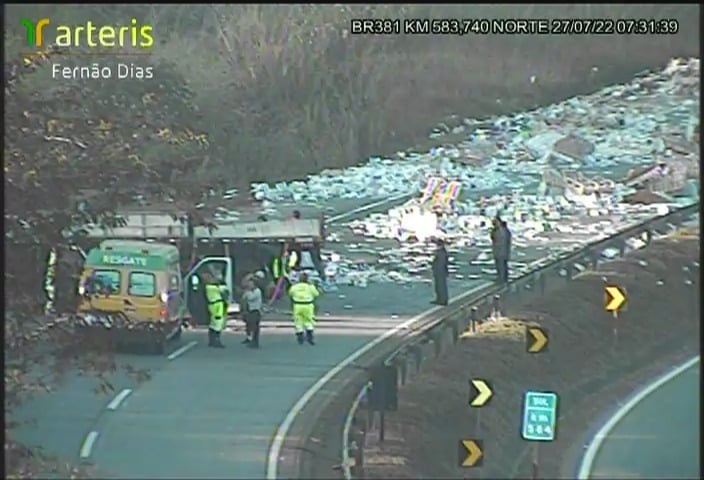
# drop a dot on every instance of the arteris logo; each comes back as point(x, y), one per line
point(88, 35)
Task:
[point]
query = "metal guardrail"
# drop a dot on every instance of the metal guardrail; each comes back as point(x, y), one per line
point(467, 313)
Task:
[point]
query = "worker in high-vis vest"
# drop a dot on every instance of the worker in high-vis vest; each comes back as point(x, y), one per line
point(217, 309)
point(278, 263)
point(292, 257)
point(303, 296)
point(280, 269)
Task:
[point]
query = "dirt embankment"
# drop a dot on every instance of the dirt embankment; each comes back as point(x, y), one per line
point(585, 365)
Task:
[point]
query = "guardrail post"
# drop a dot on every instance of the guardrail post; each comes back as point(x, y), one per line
point(417, 352)
point(473, 317)
point(358, 468)
point(403, 366)
point(369, 421)
point(496, 306)
point(436, 339)
point(382, 400)
point(454, 325)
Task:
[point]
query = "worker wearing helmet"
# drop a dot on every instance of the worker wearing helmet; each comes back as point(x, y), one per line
point(303, 295)
point(217, 309)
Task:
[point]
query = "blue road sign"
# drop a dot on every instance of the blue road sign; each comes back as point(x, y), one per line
point(539, 416)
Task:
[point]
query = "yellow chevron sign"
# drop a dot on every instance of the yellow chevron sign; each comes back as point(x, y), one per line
point(536, 339)
point(470, 453)
point(483, 392)
point(615, 298)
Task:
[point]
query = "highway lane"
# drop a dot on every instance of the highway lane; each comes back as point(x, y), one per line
point(68, 415)
point(240, 396)
point(57, 421)
point(658, 437)
point(213, 412)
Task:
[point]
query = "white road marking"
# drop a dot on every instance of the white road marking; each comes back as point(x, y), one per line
point(281, 432)
point(585, 469)
point(115, 402)
point(182, 350)
point(364, 208)
point(88, 443)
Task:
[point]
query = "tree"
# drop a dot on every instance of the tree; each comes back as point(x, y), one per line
point(117, 137)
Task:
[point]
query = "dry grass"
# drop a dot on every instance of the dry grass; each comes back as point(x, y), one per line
point(287, 91)
point(584, 364)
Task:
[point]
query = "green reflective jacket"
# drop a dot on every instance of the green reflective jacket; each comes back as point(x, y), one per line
point(216, 302)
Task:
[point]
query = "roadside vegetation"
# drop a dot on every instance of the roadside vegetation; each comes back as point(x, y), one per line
point(248, 93)
point(112, 137)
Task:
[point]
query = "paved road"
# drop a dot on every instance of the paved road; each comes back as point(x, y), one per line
point(234, 399)
point(212, 413)
point(659, 438)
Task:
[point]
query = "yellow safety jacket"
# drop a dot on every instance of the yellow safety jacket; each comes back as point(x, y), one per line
point(292, 260)
point(279, 267)
point(282, 265)
point(303, 294)
point(216, 302)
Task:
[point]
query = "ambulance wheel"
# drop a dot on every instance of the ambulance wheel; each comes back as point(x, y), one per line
point(159, 347)
point(177, 333)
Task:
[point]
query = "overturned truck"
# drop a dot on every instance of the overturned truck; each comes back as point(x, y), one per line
point(226, 250)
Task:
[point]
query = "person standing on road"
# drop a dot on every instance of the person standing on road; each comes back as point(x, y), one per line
point(217, 309)
point(303, 296)
point(501, 247)
point(252, 302)
point(261, 281)
point(243, 307)
point(440, 272)
point(279, 271)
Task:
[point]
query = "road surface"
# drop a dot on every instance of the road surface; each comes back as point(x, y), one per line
point(658, 438)
point(209, 413)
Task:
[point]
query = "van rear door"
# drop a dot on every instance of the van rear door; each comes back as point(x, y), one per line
point(110, 284)
point(143, 296)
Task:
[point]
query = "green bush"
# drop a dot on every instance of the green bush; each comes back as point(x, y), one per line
point(111, 137)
